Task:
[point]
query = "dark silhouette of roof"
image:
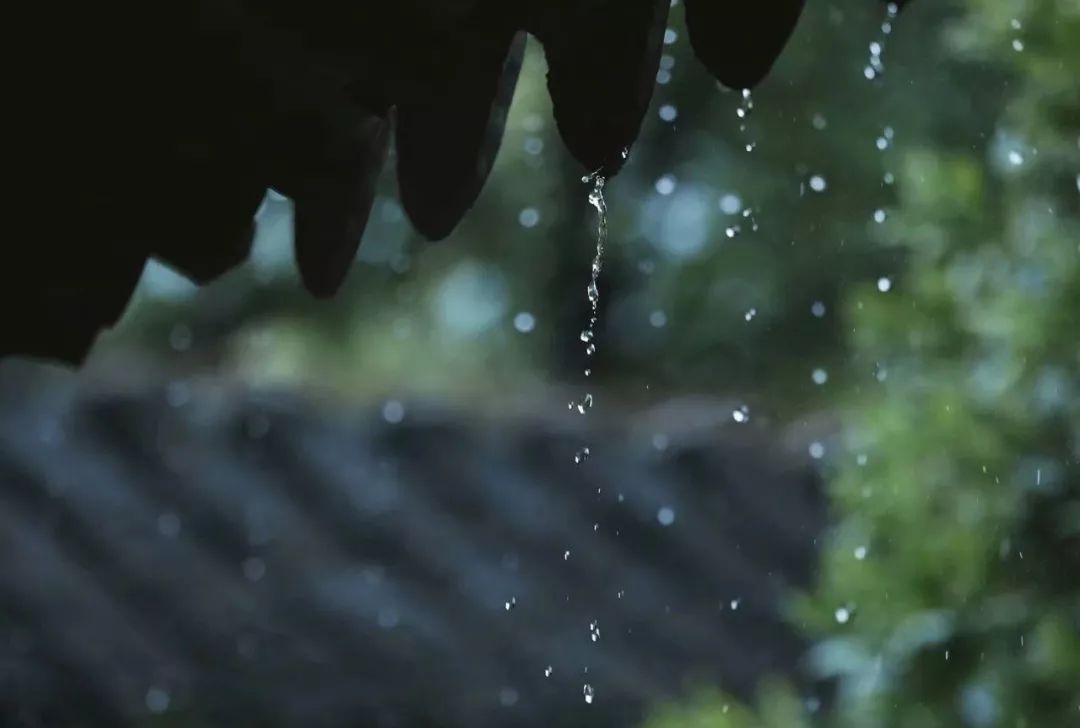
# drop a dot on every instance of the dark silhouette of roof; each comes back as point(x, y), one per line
point(121, 108)
point(251, 559)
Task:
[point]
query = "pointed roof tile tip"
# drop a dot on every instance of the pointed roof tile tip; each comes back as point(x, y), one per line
point(439, 180)
point(739, 42)
point(286, 82)
point(602, 67)
point(331, 211)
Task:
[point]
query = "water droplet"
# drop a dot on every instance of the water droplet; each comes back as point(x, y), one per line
point(157, 700)
point(820, 376)
point(658, 319)
point(524, 322)
point(861, 459)
point(884, 284)
point(668, 113)
point(817, 309)
point(1016, 158)
point(254, 569)
point(529, 217)
point(583, 405)
point(180, 338)
point(393, 412)
point(741, 415)
point(750, 314)
point(816, 450)
point(730, 204)
point(732, 231)
point(735, 604)
point(670, 36)
point(566, 555)
point(548, 670)
point(842, 615)
point(879, 216)
point(818, 183)
point(168, 524)
point(860, 552)
point(589, 693)
point(666, 184)
point(666, 516)
point(1018, 45)
point(581, 456)
point(889, 178)
point(511, 603)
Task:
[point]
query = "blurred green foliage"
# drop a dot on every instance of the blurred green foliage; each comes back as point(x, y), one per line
point(950, 589)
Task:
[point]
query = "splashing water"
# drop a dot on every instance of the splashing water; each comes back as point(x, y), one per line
point(875, 68)
point(592, 290)
point(596, 199)
point(746, 106)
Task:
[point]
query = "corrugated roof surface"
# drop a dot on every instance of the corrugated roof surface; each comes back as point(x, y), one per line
point(251, 559)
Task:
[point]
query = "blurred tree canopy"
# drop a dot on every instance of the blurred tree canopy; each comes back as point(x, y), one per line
point(950, 591)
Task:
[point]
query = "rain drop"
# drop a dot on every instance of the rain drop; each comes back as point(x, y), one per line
point(529, 217)
point(393, 412)
point(730, 204)
point(666, 184)
point(524, 322)
point(583, 405)
point(157, 700)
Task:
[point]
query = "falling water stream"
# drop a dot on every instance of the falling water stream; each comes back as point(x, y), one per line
point(588, 338)
point(592, 291)
point(875, 67)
